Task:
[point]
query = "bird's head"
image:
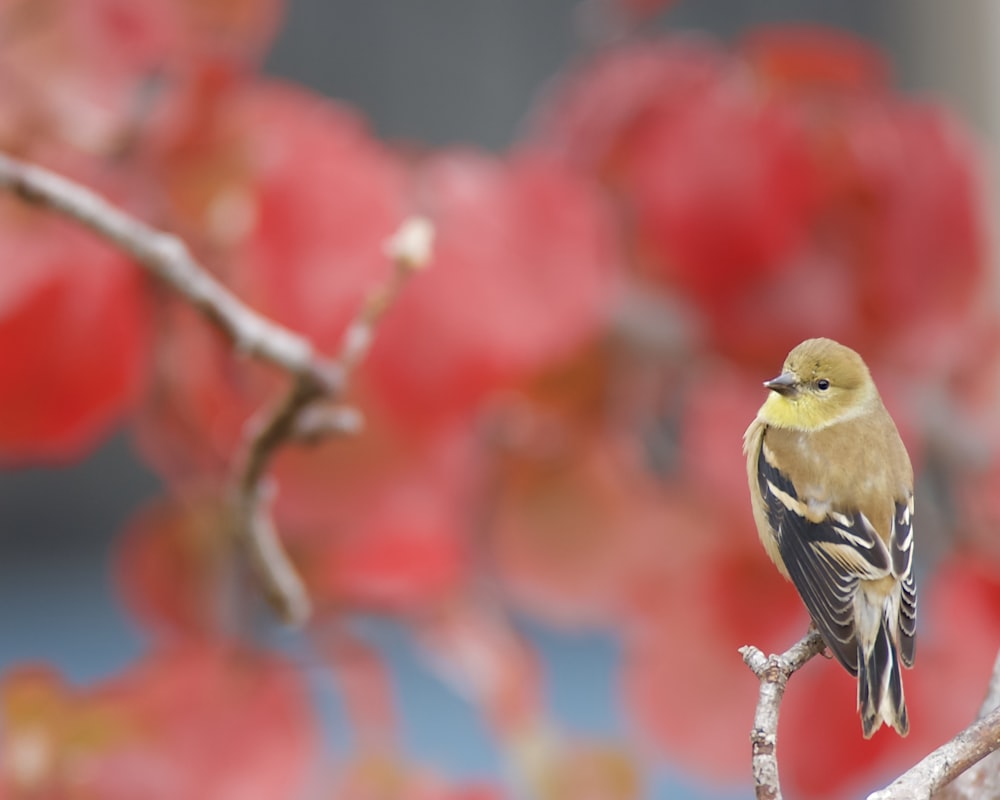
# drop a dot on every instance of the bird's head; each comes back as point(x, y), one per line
point(821, 383)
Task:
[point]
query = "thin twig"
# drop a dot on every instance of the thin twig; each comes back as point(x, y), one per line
point(296, 416)
point(959, 769)
point(250, 502)
point(773, 672)
point(314, 376)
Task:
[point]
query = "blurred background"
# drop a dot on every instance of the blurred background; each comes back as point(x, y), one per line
point(435, 76)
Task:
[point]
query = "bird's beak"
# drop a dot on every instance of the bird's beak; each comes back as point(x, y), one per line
point(786, 383)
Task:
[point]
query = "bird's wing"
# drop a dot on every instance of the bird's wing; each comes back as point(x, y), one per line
point(826, 554)
point(901, 545)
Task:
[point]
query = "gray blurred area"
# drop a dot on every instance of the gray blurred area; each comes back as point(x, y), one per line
point(466, 71)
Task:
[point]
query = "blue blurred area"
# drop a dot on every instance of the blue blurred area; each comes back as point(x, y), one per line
point(440, 72)
point(57, 601)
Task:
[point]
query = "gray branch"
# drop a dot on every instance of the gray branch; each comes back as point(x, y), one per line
point(966, 768)
point(167, 257)
point(773, 672)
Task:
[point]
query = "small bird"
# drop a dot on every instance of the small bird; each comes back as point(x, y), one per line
point(832, 493)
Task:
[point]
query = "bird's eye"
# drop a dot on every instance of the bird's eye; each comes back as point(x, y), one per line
point(822, 384)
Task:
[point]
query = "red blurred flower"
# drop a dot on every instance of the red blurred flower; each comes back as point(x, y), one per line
point(814, 60)
point(293, 199)
point(784, 190)
point(191, 722)
point(520, 276)
point(173, 567)
point(705, 591)
point(73, 337)
point(566, 527)
point(698, 182)
point(379, 523)
point(598, 107)
point(88, 74)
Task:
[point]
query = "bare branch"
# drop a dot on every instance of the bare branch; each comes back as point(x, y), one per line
point(315, 378)
point(960, 769)
point(992, 699)
point(166, 257)
point(409, 249)
point(946, 763)
point(298, 416)
point(773, 672)
point(249, 501)
point(318, 422)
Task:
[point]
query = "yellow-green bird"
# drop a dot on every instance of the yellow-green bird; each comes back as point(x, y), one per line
point(832, 493)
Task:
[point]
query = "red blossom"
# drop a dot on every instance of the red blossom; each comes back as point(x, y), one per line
point(697, 184)
point(566, 528)
point(704, 591)
point(364, 683)
point(172, 565)
point(194, 722)
point(389, 776)
point(73, 338)
point(814, 60)
point(379, 522)
point(294, 199)
point(521, 275)
point(89, 75)
point(596, 109)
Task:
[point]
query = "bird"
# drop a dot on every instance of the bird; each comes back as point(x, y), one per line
point(831, 488)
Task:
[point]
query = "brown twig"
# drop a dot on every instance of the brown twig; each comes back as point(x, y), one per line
point(958, 769)
point(298, 416)
point(773, 672)
point(314, 376)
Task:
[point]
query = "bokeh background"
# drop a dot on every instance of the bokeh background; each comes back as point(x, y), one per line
point(436, 78)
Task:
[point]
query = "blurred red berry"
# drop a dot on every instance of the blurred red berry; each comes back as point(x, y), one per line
point(814, 60)
point(74, 335)
point(172, 567)
point(595, 108)
point(291, 199)
point(521, 274)
point(702, 591)
point(194, 721)
point(379, 522)
point(698, 184)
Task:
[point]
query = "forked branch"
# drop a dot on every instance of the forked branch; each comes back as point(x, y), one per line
point(314, 377)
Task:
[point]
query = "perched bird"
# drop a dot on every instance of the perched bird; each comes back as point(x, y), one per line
point(832, 493)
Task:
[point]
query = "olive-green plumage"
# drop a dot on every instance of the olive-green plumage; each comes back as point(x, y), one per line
point(831, 488)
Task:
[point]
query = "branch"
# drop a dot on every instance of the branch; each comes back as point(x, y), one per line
point(315, 377)
point(773, 672)
point(946, 763)
point(166, 257)
point(298, 417)
point(953, 760)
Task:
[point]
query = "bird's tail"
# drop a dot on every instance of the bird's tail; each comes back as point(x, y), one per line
point(880, 682)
